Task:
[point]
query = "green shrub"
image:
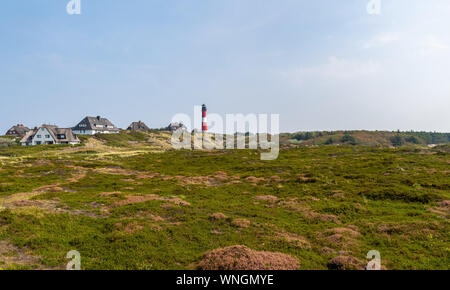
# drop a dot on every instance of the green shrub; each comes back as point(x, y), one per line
point(412, 139)
point(348, 139)
point(329, 141)
point(397, 140)
point(304, 136)
point(6, 142)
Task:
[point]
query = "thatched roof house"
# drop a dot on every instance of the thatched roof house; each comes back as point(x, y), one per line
point(50, 134)
point(175, 126)
point(138, 126)
point(19, 131)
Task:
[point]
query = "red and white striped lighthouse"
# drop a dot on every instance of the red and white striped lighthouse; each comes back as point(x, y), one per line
point(204, 124)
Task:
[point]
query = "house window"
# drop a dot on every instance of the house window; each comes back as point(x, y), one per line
point(61, 136)
point(38, 143)
point(38, 136)
point(47, 136)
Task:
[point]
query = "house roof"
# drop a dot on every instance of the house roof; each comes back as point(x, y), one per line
point(96, 123)
point(55, 132)
point(18, 130)
point(28, 136)
point(67, 133)
point(138, 126)
point(175, 126)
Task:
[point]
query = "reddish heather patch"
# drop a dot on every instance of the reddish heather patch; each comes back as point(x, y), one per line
point(345, 263)
point(242, 223)
point(254, 180)
point(217, 216)
point(130, 199)
point(275, 178)
point(294, 239)
point(243, 258)
point(110, 193)
point(267, 198)
point(49, 188)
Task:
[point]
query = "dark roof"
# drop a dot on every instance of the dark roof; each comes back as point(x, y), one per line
point(19, 131)
point(96, 123)
point(138, 126)
point(175, 126)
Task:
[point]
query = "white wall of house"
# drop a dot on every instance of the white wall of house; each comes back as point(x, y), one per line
point(93, 132)
point(43, 137)
point(84, 132)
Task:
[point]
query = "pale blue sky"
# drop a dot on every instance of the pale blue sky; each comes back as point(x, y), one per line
point(322, 65)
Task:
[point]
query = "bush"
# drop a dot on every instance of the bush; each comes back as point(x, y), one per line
point(412, 139)
point(304, 136)
point(329, 141)
point(397, 140)
point(6, 142)
point(348, 139)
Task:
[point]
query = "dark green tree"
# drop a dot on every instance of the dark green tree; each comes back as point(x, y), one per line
point(397, 140)
point(348, 139)
point(412, 139)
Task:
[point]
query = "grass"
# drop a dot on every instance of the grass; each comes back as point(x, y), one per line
point(390, 197)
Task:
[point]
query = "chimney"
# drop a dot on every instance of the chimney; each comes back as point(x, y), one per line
point(98, 118)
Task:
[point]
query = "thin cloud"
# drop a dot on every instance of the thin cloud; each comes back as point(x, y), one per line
point(335, 69)
point(382, 39)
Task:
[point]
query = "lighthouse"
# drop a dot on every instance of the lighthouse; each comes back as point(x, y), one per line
point(204, 124)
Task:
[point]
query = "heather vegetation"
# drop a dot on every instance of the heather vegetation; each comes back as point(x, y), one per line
point(370, 138)
point(128, 201)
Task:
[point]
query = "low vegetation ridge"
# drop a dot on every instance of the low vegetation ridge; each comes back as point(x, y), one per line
point(370, 138)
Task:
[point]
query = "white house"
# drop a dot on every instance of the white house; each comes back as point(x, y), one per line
point(94, 125)
point(49, 134)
